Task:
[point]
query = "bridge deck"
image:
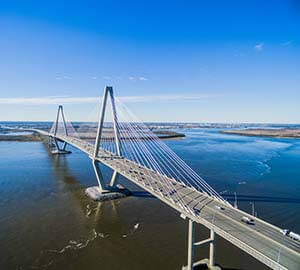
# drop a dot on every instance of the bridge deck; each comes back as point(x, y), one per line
point(262, 240)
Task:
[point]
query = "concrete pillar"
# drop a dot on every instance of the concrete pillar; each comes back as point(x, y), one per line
point(58, 148)
point(64, 120)
point(60, 111)
point(115, 121)
point(56, 143)
point(113, 179)
point(191, 239)
point(64, 146)
point(212, 248)
point(101, 120)
point(56, 122)
point(98, 175)
point(116, 132)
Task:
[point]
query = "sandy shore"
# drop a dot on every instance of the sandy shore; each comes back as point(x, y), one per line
point(280, 133)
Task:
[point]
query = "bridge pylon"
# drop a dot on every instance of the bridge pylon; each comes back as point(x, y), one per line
point(104, 192)
point(60, 150)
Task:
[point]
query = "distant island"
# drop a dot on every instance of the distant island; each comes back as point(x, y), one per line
point(14, 134)
point(280, 133)
point(166, 131)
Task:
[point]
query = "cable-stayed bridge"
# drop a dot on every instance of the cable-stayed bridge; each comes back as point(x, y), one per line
point(132, 150)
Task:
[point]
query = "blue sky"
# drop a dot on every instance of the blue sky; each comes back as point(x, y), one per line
point(191, 61)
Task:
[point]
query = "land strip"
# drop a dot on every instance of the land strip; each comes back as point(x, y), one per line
point(280, 133)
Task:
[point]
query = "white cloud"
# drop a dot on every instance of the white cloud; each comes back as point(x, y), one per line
point(94, 78)
point(165, 98)
point(106, 77)
point(132, 78)
point(63, 78)
point(259, 47)
point(83, 100)
point(48, 100)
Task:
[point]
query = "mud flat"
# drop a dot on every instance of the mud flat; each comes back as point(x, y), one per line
point(85, 133)
point(164, 135)
point(161, 134)
point(280, 133)
point(20, 138)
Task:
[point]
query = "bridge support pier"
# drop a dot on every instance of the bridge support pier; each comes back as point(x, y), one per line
point(212, 249)
point(113, 179)
point(99, 176)
point(58, 149)
point(108, 90)
point(210, 263)
point(103, 192)
point(191, 240)
point(112, 191)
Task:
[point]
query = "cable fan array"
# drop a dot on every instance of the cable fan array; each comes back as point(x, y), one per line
point(63, 128)
point(141, 145)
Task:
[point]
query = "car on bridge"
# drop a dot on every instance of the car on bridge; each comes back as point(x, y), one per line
point(292, 235)
point(248, 220)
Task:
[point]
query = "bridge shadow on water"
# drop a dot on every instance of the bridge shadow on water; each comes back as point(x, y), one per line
point(254, 198)
point(142, 194)
point(244, 198)
point(69, 184)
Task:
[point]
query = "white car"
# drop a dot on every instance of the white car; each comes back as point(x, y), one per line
point(284, 232)
point(290, 234)
point(248, 220)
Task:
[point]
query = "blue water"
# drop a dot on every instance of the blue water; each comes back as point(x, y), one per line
point(266, 169)
point(44, 220)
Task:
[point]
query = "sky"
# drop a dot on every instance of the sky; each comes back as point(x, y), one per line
point(168, 61)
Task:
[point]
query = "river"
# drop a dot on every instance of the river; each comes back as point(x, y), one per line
point(46, 221)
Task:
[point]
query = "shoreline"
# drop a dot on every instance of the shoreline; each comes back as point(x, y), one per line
point(36, 137)
point(20, 138)
point(273, 133)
